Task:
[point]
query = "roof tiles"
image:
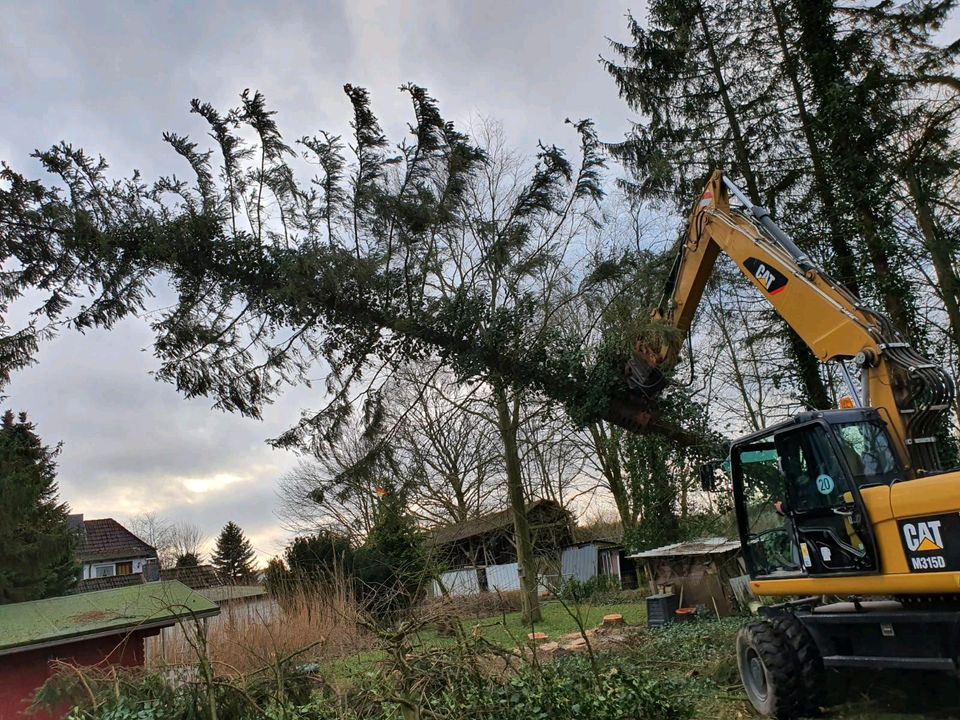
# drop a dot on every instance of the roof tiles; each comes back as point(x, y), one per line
point(106, 539)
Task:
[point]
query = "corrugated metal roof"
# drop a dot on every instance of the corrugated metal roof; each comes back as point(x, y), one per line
point(599, 543)
point(704, 546)
point(446, 534)
point(59, 620)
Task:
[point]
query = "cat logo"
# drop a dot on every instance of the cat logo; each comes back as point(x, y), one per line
point(771, 280)
point(923, 536)
point(931, 544)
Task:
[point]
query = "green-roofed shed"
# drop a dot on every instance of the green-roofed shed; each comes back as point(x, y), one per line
point(89, 628)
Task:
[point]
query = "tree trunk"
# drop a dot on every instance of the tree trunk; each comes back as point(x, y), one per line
point(526, 562)
point(808, 368)
point(850, 133)
point(893, 290)
point(740, 149)
point(607, 448)
point(939, 248)
point(843, 255)
point(805, 361)
point(733, 349)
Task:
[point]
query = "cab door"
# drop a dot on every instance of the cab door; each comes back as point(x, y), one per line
point(824, 503)
point(766, 533)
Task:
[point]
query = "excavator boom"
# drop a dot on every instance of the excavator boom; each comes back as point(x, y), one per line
point(911, 393)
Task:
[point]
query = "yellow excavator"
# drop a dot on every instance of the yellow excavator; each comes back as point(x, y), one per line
point(845, 516)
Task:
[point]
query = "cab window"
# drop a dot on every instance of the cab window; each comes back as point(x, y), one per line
point(815, 477)
point(823, 503)
point(867, 450)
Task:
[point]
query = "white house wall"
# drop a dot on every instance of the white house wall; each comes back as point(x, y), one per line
point(138, 565)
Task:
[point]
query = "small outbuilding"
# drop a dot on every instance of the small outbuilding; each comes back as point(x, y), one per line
point(598, 559)
point(699, 572)
point(91, 628)
point(237, 603)
point(481, 554)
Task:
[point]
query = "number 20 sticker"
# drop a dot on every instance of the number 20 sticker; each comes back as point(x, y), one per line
point(825, 484)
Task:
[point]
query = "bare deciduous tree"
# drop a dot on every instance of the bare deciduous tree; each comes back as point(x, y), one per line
point(156, 531)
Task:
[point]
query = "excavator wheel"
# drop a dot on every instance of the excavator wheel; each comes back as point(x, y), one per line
point(809, 662)
point(769, 671)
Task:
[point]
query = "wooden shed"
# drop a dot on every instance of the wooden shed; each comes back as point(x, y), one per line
point(107, 626)
point(699, 571)
point(480, 555)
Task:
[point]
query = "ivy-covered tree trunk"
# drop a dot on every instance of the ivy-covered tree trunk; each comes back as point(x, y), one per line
point(853, 119)
point(843, 260)
point(940, 249)
point(607, 440)
point(740, 148)
point(507, 418)
point(648, 464)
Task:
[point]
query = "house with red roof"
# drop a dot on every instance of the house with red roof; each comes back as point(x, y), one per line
point(108, 550)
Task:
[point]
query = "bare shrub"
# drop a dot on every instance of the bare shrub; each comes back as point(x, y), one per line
point(312, 623)
point(450, 610)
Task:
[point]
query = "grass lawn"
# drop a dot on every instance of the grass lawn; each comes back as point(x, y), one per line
point(701, 656)
point(509, 630)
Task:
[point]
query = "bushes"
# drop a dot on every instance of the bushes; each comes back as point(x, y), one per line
point(278, 691)
point(568, 690)
point(319, 557)
point(387, 572)
point(597, 590)
point(565, 690)
point(391, 566)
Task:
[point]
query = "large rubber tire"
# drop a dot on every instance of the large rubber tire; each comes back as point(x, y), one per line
point(769, 671)
point(809, 662)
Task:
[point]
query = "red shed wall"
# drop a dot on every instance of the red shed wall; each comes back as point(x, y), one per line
point(21, 674)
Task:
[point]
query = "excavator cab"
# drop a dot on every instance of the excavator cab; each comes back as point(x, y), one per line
point(797, 493)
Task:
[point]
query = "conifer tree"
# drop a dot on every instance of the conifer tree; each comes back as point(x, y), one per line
point(37, 546)
point(807, 104)
point(390, 566)
point(318, 557)
point(233, 555)
point(707, 102)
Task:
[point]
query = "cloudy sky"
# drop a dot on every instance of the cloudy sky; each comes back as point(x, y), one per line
point(110, 77)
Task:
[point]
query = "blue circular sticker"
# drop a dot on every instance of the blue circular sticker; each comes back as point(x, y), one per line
point(825, 484)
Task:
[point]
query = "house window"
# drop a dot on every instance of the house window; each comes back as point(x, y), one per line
point(125, 568)
point(104, 571)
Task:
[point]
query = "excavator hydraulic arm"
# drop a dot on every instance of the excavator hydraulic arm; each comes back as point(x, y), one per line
point(910, 392)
